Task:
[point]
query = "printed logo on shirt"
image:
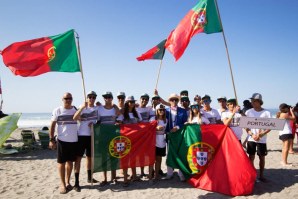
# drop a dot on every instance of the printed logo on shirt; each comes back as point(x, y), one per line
point(65, 119)
point(199, 156)
point(89, 116)
point(120, 146)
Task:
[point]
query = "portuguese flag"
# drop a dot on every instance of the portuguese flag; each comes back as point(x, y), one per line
point(157, 52)
point(211, 158)
point(34, 57)
point(123, 146)
point(201, 18)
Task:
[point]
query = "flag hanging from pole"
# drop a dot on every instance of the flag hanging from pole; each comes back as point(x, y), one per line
point(34, 57)
point(201, 18)
point(157, 52)
point(211, 158)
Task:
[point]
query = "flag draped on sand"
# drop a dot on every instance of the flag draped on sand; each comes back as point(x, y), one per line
point(201, 18)
point(211, 158)
point(7, 125)
point(123, 146)
point(42, 55)
point(157, 52)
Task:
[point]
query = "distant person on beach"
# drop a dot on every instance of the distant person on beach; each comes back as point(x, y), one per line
point(1, 113)
point(232, 117)
point(222, 101)
point(257, 137)
point(67, 132)
point(211, 114)
point(109, 114)
point(176, 117)
point(286, 136)
point(87, 115)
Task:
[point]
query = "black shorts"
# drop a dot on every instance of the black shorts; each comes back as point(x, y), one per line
point(84, 144)
point(285, 137)
point(160, 151)
point(253, 147)
point(66, 151)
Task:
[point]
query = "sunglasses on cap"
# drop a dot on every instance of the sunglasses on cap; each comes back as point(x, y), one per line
point(67, 98)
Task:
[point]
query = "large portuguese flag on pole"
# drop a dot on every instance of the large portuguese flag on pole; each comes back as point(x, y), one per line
point(201, 18)
point(123, 146)
point(37, 56)
point(211, 158)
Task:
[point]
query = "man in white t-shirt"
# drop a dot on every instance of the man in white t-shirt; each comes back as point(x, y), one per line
point(67, 138)
point(222, 101)
point(145, 111)
point(211, 114)
point(87, 115)
point(231, 118)
point(257, 137)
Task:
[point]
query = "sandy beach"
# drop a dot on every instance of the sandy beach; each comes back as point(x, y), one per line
point(33, 174)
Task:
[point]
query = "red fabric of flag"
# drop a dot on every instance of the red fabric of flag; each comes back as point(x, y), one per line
point(230, 172)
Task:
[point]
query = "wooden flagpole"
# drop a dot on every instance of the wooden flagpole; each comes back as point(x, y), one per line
point(227, 51)
point(80, 62)
point(158, 74)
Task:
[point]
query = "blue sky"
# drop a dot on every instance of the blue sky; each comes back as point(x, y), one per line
point(261, 35)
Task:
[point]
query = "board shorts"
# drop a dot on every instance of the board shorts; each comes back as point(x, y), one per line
point(160, 151)
point(260, 148)
point(66, 151)
point(84, 145)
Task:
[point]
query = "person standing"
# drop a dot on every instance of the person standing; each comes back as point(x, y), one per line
point(87, 115)
point(232, 117)
point(211, 114)
point(176, 117)
point(222, 101)
point(286, 136)
point(257, 141)
point(67, 132)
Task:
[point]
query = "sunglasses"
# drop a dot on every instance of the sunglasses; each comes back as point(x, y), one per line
point(91, 97)
point(132, 102)
point(174, 100)
point(108, 97)
point(207, 101)
point(161, 109)
point(194, 107)
point(68, 98)
point(121, 97)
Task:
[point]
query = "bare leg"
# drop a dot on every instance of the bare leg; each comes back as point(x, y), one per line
point(69, 166)
point(285, 151)
point(61, 170)
point(291, 146)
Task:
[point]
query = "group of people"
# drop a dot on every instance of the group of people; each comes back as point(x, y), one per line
point(74, 128)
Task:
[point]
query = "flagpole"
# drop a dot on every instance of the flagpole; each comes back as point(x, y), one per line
point(81, 68)
point(158, 74)
point(227, 51)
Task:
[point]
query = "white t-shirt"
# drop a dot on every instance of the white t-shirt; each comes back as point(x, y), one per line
point(160, 135)
point(263, 114)
point(221, 112)
point(88, 115)
point(146, 113)
point(107, 116)
point(204, 120)
point(211, 115)
point(234, 125)
point(132, 119)
point(67, 128)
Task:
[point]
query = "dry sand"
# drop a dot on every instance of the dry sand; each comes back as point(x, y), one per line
point(33, 174)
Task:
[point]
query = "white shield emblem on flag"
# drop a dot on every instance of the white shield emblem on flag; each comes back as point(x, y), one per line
point(120, 146)
point(202, 157)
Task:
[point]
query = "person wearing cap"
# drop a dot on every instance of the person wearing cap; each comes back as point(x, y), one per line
point(160, 150)
point(109, 114)
point(146, 113)
point(257, 137)
point(176, 117)
point(195, 116)
point(222, 101)
point(130, 116)
point(87, 115)
point(121, 99)
point(184, 93)
point(184, 102)
point(155, 100)
point(211, 114)
point(286, 136)
point(232, 117)
point(67, 132)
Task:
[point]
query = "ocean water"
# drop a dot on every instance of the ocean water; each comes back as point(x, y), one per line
point(38, 120)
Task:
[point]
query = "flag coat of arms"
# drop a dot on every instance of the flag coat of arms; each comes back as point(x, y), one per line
point(123, 146)
point(211, 158)
point(34, 57)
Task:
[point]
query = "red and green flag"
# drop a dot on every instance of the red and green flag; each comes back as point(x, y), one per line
point(123, 146)
point(201, 18)
point(34, 57)
point(211, 158)
point(157, 52)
